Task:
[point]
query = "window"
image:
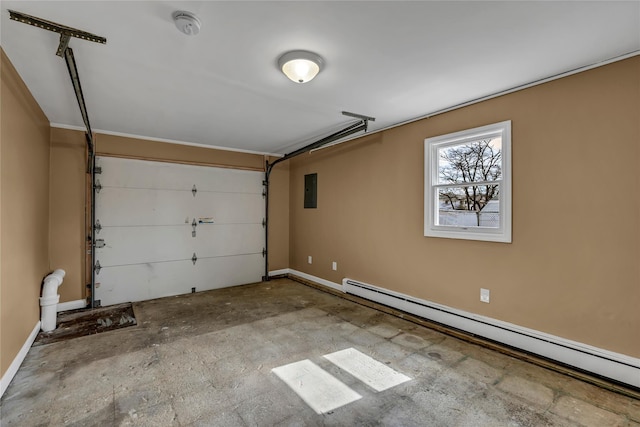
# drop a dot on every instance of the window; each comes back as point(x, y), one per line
point(468, 184)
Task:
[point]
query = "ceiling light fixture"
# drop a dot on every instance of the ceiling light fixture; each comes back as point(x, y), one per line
point(300, 66)
point(186, 22)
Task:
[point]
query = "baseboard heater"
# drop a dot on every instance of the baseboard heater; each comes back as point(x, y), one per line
point(618, 367)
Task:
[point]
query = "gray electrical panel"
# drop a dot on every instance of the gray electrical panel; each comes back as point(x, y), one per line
point(311, 191)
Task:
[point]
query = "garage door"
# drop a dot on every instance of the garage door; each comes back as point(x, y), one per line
point(164, 229)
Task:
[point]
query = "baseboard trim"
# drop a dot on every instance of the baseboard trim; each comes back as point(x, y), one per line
point(618, 367)
point(17, 361)
point(318, 280)
point(281, 272)
point(71, 305)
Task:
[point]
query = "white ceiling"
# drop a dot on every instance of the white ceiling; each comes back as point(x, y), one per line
point(392, 60)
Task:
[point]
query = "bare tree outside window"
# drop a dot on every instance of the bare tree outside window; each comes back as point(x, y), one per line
point(468, 172)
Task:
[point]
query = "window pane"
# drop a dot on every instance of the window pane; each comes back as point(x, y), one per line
point(467, 176)
point(473, 161)
point(469, 206)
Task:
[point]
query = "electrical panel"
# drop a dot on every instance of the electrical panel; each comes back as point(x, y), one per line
point(311, 191)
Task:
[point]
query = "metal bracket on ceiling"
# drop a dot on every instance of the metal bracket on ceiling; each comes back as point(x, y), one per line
point(365, 119)
point(65, 32)
point(358, 116)
point(63, 45)
point(64, 51)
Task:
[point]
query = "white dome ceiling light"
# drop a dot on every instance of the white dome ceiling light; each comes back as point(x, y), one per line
point(300, 66)
point(186, 22)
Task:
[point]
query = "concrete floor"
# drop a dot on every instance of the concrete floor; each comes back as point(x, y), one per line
point(206, 359)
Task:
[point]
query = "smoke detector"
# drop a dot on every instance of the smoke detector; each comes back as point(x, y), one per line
point(186, 22)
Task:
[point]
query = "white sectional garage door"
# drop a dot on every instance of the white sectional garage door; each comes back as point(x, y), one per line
point(166, 228)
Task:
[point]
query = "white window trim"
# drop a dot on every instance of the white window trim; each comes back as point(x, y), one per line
point(431, 146)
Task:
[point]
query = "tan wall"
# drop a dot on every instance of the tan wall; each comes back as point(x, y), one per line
point(573, 267)
point(24, 181)
point(152, 150)
point(68, 197)
point(279, 217)
point(67, 187)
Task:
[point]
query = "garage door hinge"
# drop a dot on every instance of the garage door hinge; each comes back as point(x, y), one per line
point(264, 223)
point(194, 190)
point(194, 258)
point(97, 267)
point(97, 186)
point(98, 226)
point(100, 243)
point(264, 194)
point(264, 252)
point(97, 170)
point(194, 224)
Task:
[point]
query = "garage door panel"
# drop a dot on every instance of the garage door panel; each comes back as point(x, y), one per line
point(141, 282)
point(125, 206)
point(156, 280)
point(133, 245)
point(230, 180)
point(231, 239)
point(231, 208)
point(129, 173)
point(222, 272)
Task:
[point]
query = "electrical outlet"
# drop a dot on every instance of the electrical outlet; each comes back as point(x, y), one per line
point(485, 295)
point(334, 266)
point(310, 260)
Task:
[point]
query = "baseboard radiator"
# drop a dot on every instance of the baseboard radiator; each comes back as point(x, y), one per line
point(615, 366)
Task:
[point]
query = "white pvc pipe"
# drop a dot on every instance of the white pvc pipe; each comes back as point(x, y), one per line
point(49, 300)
